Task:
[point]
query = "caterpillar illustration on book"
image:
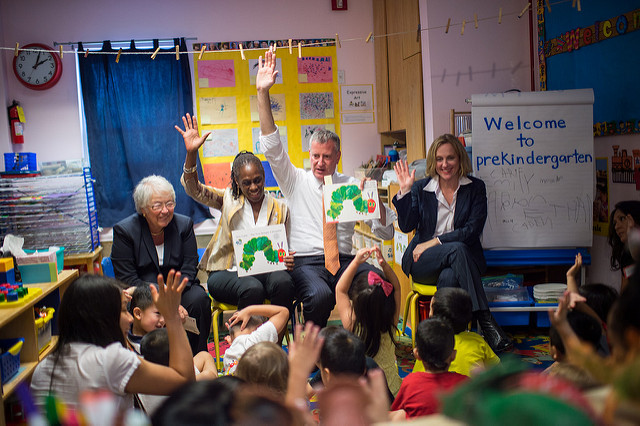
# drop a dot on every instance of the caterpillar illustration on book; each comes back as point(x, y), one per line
point(350, 192)
point(255, 245)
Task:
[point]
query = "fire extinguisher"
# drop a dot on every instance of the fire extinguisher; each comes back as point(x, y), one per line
point(16, 121)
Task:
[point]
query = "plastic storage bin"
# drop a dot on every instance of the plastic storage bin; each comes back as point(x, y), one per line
point(10, 358)
point(20, 162)
point(510, 298)
point(542, 318)
point(43, 329)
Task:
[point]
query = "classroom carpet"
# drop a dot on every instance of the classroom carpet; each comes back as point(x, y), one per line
point(530, 344)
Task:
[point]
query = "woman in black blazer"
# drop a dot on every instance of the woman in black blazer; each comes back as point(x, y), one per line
point(155, 240)
point(447, 210)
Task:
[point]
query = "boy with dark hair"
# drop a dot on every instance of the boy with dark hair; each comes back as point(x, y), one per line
point(453, 305)
point(343, 355)
point(154, 347)
point(146, 316)
point(418, 395)
point(589, 331)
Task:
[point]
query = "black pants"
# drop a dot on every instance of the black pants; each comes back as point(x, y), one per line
point(198, 305)
point(453, 265)
point(227, 287)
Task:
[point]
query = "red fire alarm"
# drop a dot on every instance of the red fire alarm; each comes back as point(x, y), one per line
point(338, 4)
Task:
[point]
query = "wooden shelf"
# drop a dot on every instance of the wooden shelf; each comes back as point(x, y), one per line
point(50, 348)
point(19, 321)
point(26, 370)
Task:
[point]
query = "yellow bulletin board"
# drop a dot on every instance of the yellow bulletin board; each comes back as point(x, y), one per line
point(304, 98)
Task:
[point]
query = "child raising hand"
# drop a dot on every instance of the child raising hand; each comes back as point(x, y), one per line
point(369, 306)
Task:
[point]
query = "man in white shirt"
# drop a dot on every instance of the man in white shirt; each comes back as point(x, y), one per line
point(303, 189)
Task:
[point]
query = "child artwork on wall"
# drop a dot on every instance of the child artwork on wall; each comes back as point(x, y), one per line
point(221, 110)
point(216, 73)
point(253, 71)
point(601, 201)
point(221, 143)
point(347, 203)
point(315, 69)
point(260, 250)
point(277, 107)
point(255, 138)
point(316, 105)
point(217, 175)
point(308, 130)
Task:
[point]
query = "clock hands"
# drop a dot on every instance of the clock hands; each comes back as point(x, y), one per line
point(37, 63)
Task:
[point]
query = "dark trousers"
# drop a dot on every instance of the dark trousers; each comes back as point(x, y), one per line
point(315, 286)
point(453, 266)
point(198, 305)
point(227, 287)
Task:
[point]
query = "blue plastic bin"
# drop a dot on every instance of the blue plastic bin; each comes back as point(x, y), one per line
point(20, 162)
point(10, 358)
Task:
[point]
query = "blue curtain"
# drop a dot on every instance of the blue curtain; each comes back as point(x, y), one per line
point(131, 108)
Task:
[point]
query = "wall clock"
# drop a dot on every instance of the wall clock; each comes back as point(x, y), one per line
point(37, 66)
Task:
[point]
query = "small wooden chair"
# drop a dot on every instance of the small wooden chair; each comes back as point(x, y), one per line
point(411, 305)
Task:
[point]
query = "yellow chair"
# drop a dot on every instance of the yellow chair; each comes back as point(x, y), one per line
point(411, 305)
point(218, 308)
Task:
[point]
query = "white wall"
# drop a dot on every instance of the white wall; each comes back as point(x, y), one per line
point(491, 59)
point(52, 129)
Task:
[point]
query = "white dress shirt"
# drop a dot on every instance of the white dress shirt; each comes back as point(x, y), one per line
point(304, 197)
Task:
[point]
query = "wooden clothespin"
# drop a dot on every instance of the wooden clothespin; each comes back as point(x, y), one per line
point(299, 50)
point(290, 47)
point(464, 22)
point(15, 52)
point(524, 10)
point(61, 52)
point(86, 52)
point(475, 20)
point(202, 49)
point(573, 4)
point(155, 53)
point(369, 37)
point(500, 16)
point(177, 52)
point(338, 41)
point(118, 56)
point(579, 8)
point(446, 30)
point(546, 2)
point(242, 52)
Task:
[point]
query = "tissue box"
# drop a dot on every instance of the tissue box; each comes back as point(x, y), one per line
point(39, 273)
point(44, 256)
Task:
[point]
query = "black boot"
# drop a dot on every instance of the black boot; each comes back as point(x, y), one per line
point(493, 334)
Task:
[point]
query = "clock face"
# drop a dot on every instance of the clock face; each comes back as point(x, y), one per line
point(37, 66)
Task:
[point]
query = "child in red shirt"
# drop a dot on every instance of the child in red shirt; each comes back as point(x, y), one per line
point(419, 393)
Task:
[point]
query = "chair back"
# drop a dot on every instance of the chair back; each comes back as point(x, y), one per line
point(107, 267)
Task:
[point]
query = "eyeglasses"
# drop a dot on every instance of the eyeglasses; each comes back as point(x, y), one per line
point(157, 207)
